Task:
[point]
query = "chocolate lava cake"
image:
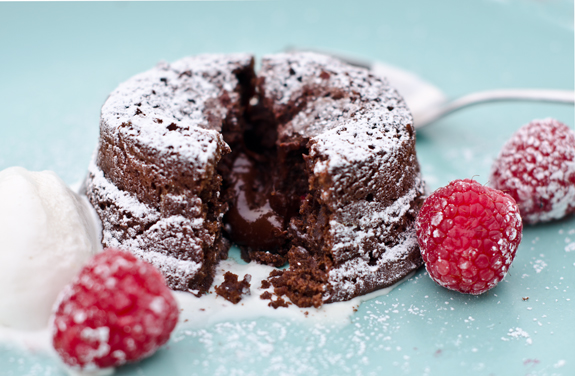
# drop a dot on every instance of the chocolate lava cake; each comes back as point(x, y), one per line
point(311, 161)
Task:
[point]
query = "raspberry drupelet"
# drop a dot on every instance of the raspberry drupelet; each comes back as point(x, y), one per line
point(468, 234)
point(117, 310)
point(537, 168)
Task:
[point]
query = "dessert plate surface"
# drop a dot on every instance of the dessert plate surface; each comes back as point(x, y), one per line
point(60, 60)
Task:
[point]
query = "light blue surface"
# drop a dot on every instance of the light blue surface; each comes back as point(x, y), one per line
point(60, 60)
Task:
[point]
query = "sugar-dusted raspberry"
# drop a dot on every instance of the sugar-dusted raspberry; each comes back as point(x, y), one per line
point(468, 235)
point(117, 310)
point(537, 168)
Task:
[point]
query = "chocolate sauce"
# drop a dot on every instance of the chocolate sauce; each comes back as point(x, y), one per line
point(265, 183)
point(252, 218)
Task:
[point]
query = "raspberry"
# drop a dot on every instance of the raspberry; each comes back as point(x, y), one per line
point(117, 310)
point(537, 168)
point(468, 235)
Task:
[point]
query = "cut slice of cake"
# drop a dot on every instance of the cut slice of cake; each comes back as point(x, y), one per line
point(154, 181)
point(312, 161)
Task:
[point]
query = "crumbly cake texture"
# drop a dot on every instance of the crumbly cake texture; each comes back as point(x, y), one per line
point(341, 139)
point(232, 289)
point(154, 182)
point(355, 232)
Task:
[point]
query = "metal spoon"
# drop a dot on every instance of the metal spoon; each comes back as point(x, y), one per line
point(428, 103)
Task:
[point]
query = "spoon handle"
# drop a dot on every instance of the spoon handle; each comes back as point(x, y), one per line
point(538, 95)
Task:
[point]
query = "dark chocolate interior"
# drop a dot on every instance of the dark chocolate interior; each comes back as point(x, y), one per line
point(264, 184)
point(265, 193)
point(273, 216)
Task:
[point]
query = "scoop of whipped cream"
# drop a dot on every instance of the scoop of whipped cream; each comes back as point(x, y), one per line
point(47, 233)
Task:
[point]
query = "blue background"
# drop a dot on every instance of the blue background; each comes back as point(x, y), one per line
point(59, 61)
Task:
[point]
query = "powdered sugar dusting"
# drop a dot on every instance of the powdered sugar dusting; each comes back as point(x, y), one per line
point(518, 333)
point(357, 140)
point(537, 167)
point(174, 108)
point(361, 143)
point(303, 67)
point(123, 199)
point(360, 140)
point(356, 114)
point(357, 273)
point(100, 337)
point(177, 270)
point(213, 309)
point(539, 265)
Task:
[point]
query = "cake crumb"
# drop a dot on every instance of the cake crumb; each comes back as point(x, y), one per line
point(265, 284)
point(279, 302)
point(266, 296)
point(232, 289)
point(304, 275)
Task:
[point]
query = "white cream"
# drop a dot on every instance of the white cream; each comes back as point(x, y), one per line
point(47, 233)
point(212, 308)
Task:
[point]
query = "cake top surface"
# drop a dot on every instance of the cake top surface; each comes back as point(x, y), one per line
point(311, 68)
point(349, 114)
point(360, 139)
point(177, 107)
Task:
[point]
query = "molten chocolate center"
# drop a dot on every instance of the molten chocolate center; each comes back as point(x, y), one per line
point(253, 220)
point(264, 184)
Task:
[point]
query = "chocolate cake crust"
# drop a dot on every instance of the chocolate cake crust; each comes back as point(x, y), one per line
point(154, 181)
point(365, 188)
point(319, 169)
